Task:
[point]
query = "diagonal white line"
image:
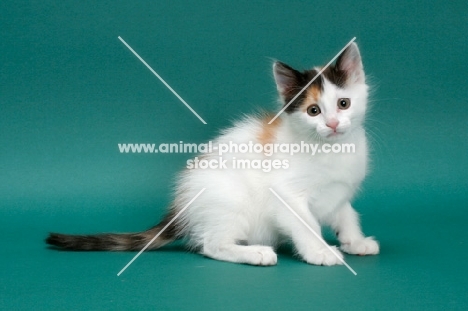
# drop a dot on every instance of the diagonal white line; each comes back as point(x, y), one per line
point(312, 230)
point(162, 230)
point(313, 79)
point(162, 80)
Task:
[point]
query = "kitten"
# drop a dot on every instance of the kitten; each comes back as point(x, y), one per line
point(237, 218)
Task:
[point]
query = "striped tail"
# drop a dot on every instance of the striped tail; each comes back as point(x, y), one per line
point(117, 241)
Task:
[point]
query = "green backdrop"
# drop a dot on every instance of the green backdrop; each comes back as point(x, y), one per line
point(70, 91)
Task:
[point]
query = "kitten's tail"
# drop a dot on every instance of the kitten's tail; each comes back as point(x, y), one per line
point(117, 241)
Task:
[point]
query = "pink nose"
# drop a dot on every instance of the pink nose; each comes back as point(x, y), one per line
point(333, 124)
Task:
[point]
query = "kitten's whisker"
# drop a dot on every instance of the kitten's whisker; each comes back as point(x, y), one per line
point(382, 99)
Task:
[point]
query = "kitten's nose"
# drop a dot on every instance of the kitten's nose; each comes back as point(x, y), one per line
point(333, 124)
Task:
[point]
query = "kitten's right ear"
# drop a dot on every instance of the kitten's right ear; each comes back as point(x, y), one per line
point(286, 79)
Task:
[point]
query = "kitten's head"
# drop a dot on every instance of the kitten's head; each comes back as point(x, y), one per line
point(333, 105)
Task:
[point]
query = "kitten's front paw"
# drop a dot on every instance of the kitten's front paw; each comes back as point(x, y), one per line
point(366, 246)
point(324, 257)
point(261, 256)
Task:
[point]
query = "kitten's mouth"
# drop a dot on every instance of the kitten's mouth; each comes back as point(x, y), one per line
point(335, 134)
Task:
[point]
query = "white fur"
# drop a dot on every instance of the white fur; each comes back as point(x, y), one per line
point(238, 219)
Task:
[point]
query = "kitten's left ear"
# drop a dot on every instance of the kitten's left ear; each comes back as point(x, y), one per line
point(350, 62)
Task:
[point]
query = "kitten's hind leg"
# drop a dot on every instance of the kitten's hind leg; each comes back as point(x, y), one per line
point(257, 255)
point(346, 225)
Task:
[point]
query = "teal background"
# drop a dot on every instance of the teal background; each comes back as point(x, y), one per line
point(70, 91)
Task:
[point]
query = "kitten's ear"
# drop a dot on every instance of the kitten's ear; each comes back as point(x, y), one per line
point(287, 79)
point(350, 62)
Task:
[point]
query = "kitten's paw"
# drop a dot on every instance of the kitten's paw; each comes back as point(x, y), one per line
point(261, 256)
point(366, 246)
point(324, 257)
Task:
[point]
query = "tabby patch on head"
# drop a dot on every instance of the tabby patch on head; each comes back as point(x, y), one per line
point(333, 105)
point(347, 70)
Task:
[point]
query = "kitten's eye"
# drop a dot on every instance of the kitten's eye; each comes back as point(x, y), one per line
point(344, 103)
point(313, 110)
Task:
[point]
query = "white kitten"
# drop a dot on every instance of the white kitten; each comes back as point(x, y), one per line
point(237, 218)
